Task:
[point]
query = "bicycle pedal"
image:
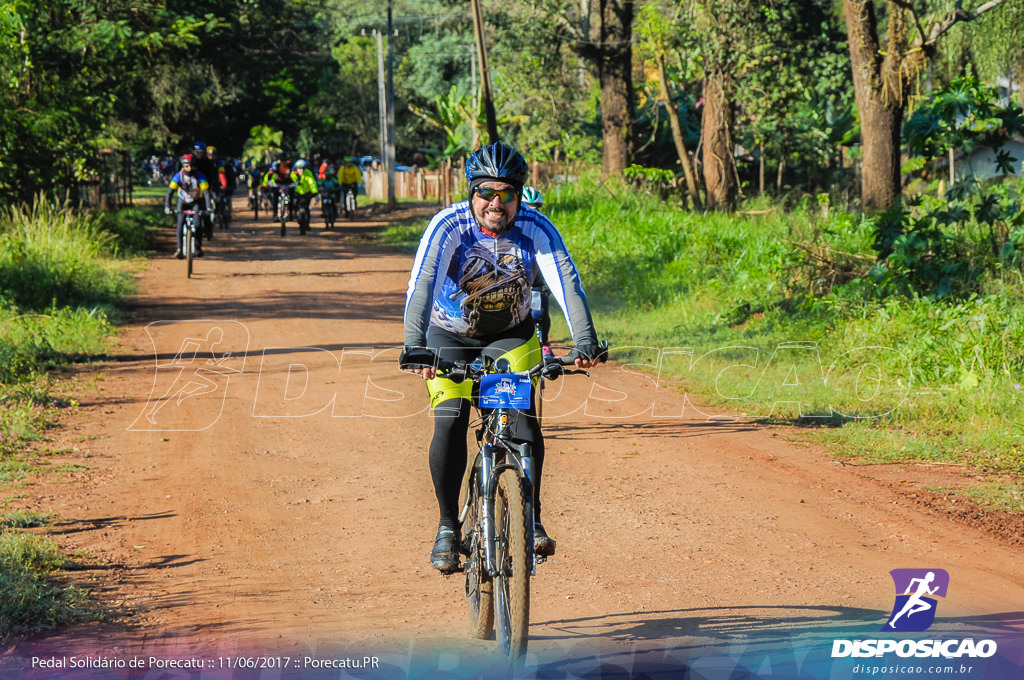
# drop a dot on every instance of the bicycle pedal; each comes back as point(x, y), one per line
point(540, 559)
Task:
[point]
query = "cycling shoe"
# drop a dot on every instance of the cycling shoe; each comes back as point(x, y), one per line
point(445, 555)
point(542, 543)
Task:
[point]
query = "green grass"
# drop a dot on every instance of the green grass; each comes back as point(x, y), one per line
point(63, 276)
point(405, 233)
point(780, 325)
point(21, 519)
point(32, 597)
point(52, 258)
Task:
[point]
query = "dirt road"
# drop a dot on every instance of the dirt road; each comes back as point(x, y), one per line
point(255, 483)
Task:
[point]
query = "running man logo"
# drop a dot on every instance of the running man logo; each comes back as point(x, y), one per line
point(914, 610)
point(194, 361)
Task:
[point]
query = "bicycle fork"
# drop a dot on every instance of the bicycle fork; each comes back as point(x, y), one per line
point(521, 462)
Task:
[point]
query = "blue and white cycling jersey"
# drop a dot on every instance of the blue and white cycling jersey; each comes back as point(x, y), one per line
point(474, 284)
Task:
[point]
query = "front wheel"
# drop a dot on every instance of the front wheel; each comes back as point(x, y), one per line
point(190, 246)
point(512, 583)
point(479, 586)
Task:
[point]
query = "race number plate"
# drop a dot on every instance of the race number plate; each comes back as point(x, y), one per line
point(504, 390)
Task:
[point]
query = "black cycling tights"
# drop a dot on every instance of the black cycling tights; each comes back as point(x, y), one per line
point(448, 455)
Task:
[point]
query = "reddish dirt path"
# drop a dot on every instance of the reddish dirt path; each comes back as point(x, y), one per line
point(288, 509)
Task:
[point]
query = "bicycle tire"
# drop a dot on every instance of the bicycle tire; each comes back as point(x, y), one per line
point(479, 585)
point(190, 246)
point(512, 584)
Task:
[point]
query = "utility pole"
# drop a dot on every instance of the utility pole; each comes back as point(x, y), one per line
point(382, 101)
point(485, 72)
point(389, 160)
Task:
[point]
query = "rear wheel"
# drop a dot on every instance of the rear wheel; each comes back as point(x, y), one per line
point(479, 586)
point(512, 584)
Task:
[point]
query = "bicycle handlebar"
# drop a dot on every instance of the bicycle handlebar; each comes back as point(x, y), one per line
point(549, 367)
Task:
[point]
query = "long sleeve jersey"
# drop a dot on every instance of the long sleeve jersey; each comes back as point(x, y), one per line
point(473, 284)
point(190, 187)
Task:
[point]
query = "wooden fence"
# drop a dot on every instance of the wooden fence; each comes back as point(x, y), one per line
point(446, 185)
point(112, 188)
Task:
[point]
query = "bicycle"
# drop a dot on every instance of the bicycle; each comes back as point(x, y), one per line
point(329, 209)
point(302, 215)
point(188, 233)
point(350, 200)
point(221, 211)
point(284, 199)
point(267, 198)
point(497, 518)
point(225, 201)
point(254, 203)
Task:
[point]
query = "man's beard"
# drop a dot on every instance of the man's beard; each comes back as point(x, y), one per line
point(508, 221)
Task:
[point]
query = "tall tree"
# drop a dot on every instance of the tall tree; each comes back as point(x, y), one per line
point(726, 29)
point(74, 77)
point(886, 59)
point(601, 32)
point(658, 36)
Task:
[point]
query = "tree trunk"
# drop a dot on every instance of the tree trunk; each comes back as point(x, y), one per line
point(719, 163)
point(760, 170)
point(879, 101)
point(881, 122)
point(677, 134)
point(780, 172)
point(882, 75)
point(615, 73)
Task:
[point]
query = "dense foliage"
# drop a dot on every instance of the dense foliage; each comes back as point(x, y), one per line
point(77, 76)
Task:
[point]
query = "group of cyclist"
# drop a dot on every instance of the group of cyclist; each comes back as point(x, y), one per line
point(479, 285)
point(329, 181)
point(203, 182)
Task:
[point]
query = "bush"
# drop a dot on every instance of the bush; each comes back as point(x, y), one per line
point(51, 257)
point(30, 601)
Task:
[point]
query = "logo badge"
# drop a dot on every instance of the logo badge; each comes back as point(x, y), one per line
point(194, 362)
point(916, 591)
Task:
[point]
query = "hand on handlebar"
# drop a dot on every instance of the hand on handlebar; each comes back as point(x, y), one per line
point(422, 361)
point(588, 355)
point(419, 360)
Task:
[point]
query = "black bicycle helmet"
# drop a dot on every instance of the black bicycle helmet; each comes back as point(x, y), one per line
point(497, 162)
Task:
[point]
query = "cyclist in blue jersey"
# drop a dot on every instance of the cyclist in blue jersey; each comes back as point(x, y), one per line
point(191, 188)
point(469, 296)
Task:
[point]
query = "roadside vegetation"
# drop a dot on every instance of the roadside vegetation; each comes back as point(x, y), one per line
point(793, 314)
point(64, 276)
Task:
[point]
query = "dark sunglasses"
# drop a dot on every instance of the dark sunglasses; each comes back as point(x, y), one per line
point(504, 195)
